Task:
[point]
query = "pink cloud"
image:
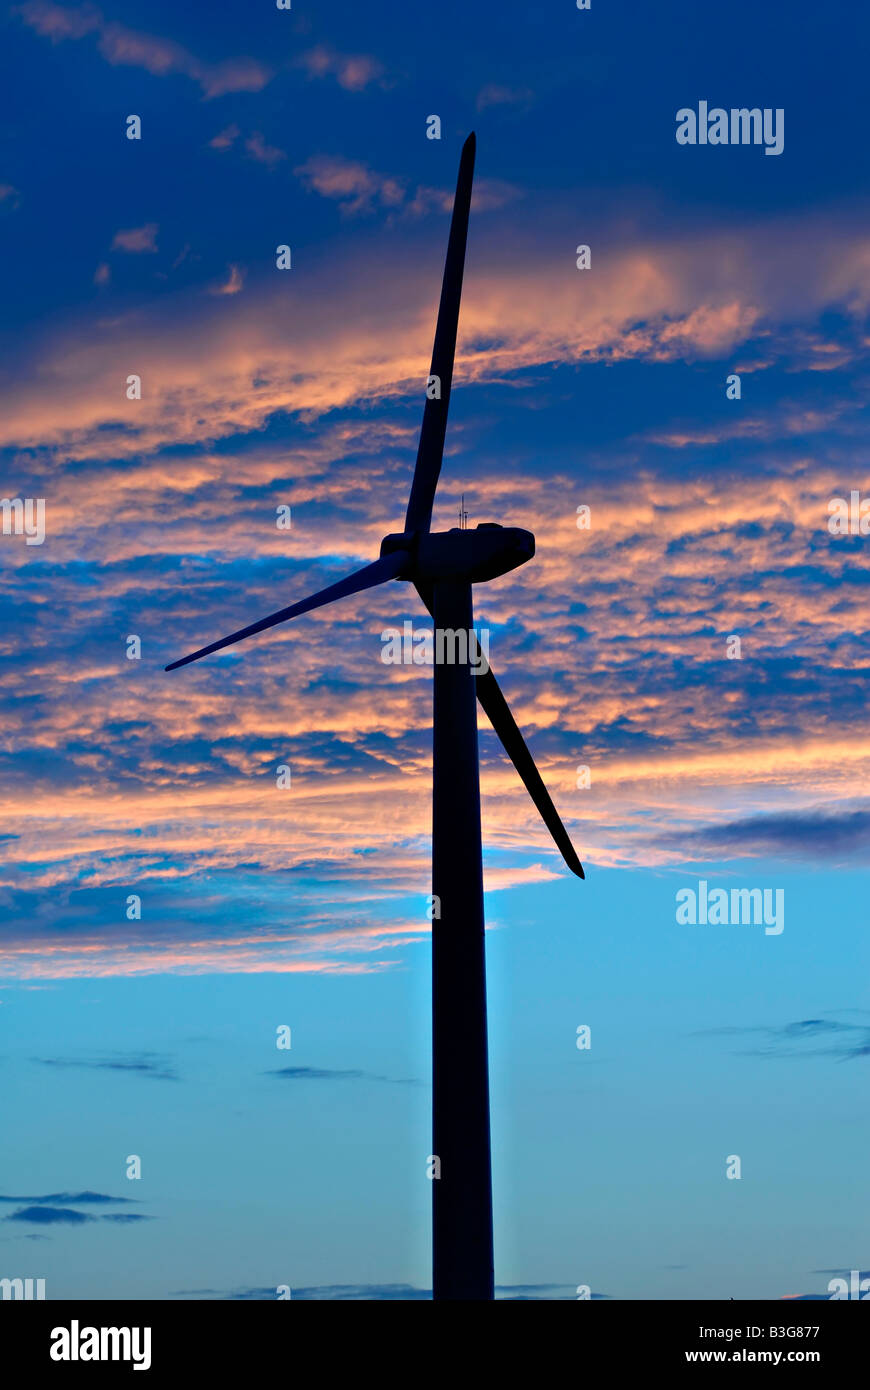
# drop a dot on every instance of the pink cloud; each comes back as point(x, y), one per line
point(655, 548)
point(232, 75)
point(136, 239)
point(159, 56)
point(713, 328)
point(354, 72)
point(233, 283)
point(659, 547)
point(663, 301)
point(57, 22)
point(494, 94)
point(257, 148)
point(488, 194)
point(225, 138)
point(357, 187)
point(100, 960)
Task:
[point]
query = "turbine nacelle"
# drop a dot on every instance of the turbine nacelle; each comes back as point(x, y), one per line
point(473, 556)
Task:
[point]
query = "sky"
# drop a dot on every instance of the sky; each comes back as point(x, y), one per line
point(740, 764)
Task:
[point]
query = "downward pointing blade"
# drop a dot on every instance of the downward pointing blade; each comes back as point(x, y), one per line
point(497, 711)
point(388, 567)
point(431, 446)
point(496, 708)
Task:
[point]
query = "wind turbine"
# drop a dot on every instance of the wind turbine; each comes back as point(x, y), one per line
point(443, 566)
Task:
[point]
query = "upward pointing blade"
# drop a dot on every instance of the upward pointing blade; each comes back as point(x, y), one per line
point(388, 567)
point(431, 446)
point(497, 711)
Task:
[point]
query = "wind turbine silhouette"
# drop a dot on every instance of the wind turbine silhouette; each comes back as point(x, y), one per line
point(442, 567)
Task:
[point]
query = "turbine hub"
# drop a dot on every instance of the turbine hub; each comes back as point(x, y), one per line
point(473, 555)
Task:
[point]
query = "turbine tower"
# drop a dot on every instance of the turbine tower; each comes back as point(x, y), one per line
point(443, 567)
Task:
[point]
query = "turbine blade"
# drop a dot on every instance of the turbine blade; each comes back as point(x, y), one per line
point(497, 711)
point(388, 567)
point(431, 446)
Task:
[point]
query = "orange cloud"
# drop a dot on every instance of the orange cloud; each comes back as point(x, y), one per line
point(172, 777)
point(233, 283)
point(216, 375)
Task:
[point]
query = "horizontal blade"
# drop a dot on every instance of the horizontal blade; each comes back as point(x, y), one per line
point(388, 567)
point(431, 446)
point(497, 711)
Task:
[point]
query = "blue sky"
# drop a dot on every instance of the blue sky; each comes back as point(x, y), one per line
point(306, 906)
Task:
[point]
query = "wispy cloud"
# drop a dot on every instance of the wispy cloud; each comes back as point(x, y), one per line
point(360, 189)
point(50, 1216)
point(849, 1041)
point(136, 239)
point(66, 1216)
point(494, 94)
point(354, 947)
point(257, 148)
point(254, 145)
point(183, 544)
point(232, 284)
point(353, 71)
point(351, 183)
point(840, 833)
point(401, 1293)
point(149, 1064)
point(488, 195)
point(57, 22)
point(643, 305)
point(59, 1209)
point(225, 138)
point(69, 1199)
point(161, 57)
point(321, 1074)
